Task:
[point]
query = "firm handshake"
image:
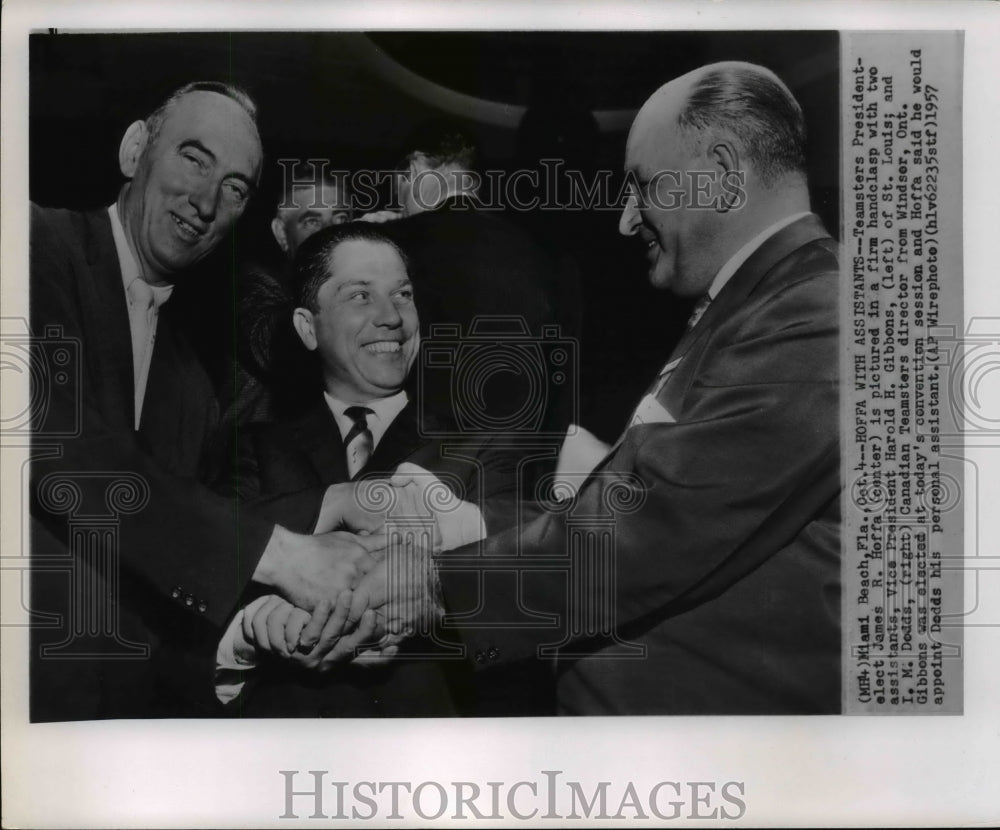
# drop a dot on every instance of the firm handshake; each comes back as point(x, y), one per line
point(364, 581)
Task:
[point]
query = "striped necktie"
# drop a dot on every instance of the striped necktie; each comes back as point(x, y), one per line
point(661, 379)
point(359, 442)
point(699, 308)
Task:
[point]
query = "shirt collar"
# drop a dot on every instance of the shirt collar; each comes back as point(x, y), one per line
point(127, 261)
point(385, 411)
point(743, 254)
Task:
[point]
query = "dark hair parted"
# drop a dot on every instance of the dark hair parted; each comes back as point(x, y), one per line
point(313, 264)
point(751, 104)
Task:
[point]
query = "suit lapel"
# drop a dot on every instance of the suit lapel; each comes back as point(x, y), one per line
point(108, 343)
point(400, 441)
point(319, 438)
point(774, 249)
point(734, 293)
point(175, 420)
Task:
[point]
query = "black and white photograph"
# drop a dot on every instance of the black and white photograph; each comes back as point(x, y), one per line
point(390, 400)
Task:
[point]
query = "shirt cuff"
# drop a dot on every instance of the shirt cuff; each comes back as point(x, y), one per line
point(458, 522)
point(233, 660)
point(460, 526)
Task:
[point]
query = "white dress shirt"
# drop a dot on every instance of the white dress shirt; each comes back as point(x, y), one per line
point(144, 303)
point(384, 412)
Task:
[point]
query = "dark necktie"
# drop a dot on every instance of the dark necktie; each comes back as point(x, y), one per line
point(359, 442)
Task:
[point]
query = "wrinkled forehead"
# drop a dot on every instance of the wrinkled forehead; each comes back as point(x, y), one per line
point(220, 124)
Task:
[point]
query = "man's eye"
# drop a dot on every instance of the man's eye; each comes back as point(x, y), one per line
point(235, 191)
point(360, 296)
point(341, 218)
point(194, 162)
point(310, 222)
point(405, 294)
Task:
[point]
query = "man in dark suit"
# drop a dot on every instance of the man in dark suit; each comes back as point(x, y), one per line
point(136, 567)
point(356, 313)
point(708, 577)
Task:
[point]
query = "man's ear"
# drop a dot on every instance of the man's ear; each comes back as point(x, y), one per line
point(302, 319)
point(130, 150)
point(278, 229)
point(726, 162)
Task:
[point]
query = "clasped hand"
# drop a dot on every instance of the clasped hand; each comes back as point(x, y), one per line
point(319, 640)
point(365, 623)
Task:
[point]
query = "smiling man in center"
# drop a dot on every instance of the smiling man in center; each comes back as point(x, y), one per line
point(355, 312)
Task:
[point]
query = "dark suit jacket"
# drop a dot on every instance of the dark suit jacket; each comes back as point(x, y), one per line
point(724, 525)
point(306, 455)
point(166, 559)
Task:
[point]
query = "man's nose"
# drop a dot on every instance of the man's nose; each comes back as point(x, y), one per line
point(205, 200)
point(387, 315)
point(628, 223)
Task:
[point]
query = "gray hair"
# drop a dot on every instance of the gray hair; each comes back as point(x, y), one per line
point(154, 121)
point(751, 104)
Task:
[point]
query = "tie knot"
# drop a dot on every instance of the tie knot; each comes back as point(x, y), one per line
point(140, 293)
point(144, 296)
point(359, 414)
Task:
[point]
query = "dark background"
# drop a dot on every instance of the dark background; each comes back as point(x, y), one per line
point(321, 96)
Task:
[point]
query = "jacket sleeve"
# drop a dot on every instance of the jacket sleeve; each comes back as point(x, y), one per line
point(496, 490)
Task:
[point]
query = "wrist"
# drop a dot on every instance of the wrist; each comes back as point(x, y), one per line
point(333, 500)
point(269, 567)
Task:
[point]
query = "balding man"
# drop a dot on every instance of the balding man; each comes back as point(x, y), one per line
point(719, 590)
point(137, 565)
